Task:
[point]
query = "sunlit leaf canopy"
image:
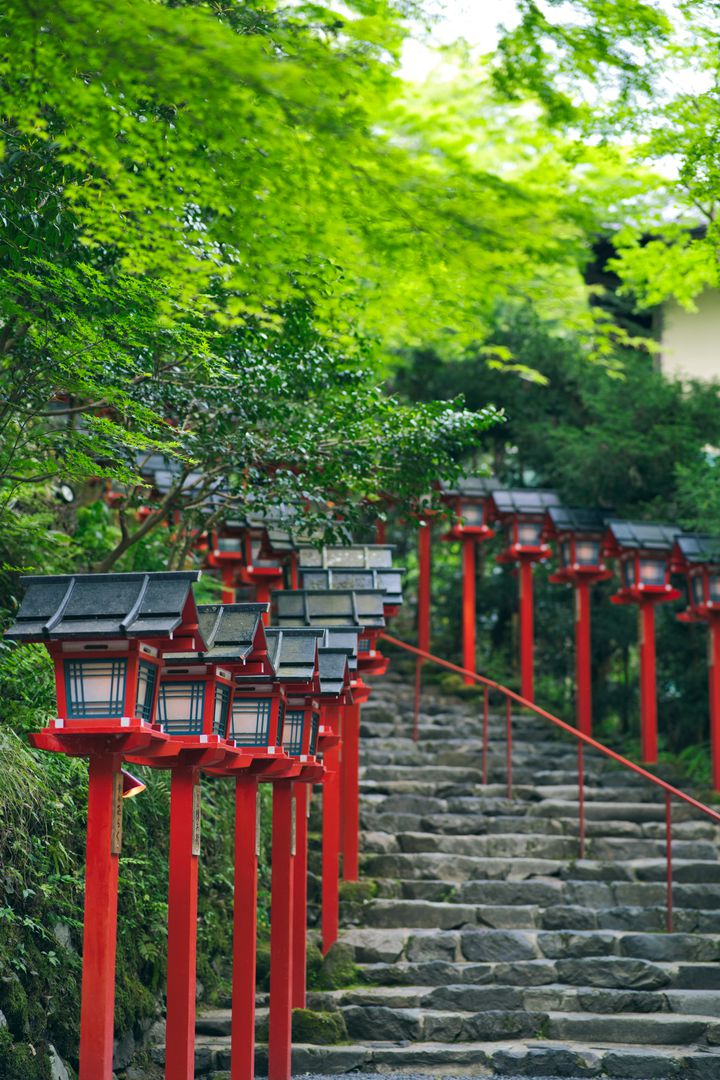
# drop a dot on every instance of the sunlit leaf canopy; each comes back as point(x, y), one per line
point(641, 75)
point(220, 223)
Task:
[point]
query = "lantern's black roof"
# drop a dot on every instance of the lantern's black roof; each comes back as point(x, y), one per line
point(699, 549)
point(523, 501)
point(334, 671)
point(345, 638)
point(163, 474)
point(294, 653)
point(232, 633)
point(471, 487)
point(360, 556)
point(573, 520)
point(74, 606)
point(643, 535)
point(329, 607)
point(389, 582)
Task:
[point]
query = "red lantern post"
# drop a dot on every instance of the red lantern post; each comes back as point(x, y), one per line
point(294, 653)
point(522, 515)
point(579, 535)
point(337, 608)
point(698, 557)
point(467, 501)
point(643, 550)
point(105, 633)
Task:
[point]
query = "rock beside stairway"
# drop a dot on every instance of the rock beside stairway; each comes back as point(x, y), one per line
point(489, 948)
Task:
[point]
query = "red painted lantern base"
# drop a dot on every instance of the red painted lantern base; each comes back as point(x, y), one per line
point(242, 1052)
point(281, 933)
point(330, 849)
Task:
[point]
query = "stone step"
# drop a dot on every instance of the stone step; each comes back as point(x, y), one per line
point(509, 1019)
point(457, 778)
point(539, 845)
point(615, 972)
point(462, 824)
point(457, 869)
point(390, 914)
point(550, 1058)
point(551, 891)
point(488, 946)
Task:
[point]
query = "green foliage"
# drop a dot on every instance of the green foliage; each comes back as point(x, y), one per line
point(635, 445)
point(640, 76)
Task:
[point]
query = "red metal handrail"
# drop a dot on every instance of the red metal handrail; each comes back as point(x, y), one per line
point(583, 740)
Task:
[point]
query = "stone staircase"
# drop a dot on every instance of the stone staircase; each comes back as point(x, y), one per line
point(489, 948)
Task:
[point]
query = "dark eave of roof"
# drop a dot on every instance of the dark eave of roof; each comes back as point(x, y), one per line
point(470, 487)
point(699, 549)
point(574, 520)
point(328, 607)
point(294, 652)
point(531, 501)
point(110, 606)
point(360, 556)
point(643, 535)
point(387, 580)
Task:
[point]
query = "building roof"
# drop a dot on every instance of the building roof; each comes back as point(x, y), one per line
point(388, 581)
point(360, 556)
point(571, 519)
point(334, 670)
point(329, 607)
point(293, 652)
point(643, 535)
point(523, 501)
point(75, 606)
point(232, 633)
point(345, 638)
point(699, 549)
point(470, 487)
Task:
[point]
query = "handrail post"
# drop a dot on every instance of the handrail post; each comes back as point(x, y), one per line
point(668, 861)
point(581, 797)
point(416, 714)
point(508, 739)
point(486, 725)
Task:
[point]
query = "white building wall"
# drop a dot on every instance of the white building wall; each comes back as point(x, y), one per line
point(690, 340)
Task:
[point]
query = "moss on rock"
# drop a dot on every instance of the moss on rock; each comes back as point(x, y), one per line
point(338, 968)
point(321, 1028)
point(19, 1061)
point(357, 892)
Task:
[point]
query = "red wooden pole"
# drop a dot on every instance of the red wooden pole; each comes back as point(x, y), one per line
point(262, 594)
point(714, 681)
point(423, 612)
point(648, 690)
point(583, 666)
point(242, 1053)
point(424, 565)
point(97, 1008)
point(182, 924)
point(227, 596)
point(468, 616)
point(351, 793)
point(281, 925)
point(527, 646)
point(380, 532)
point(299, 968)
point(330, 847)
